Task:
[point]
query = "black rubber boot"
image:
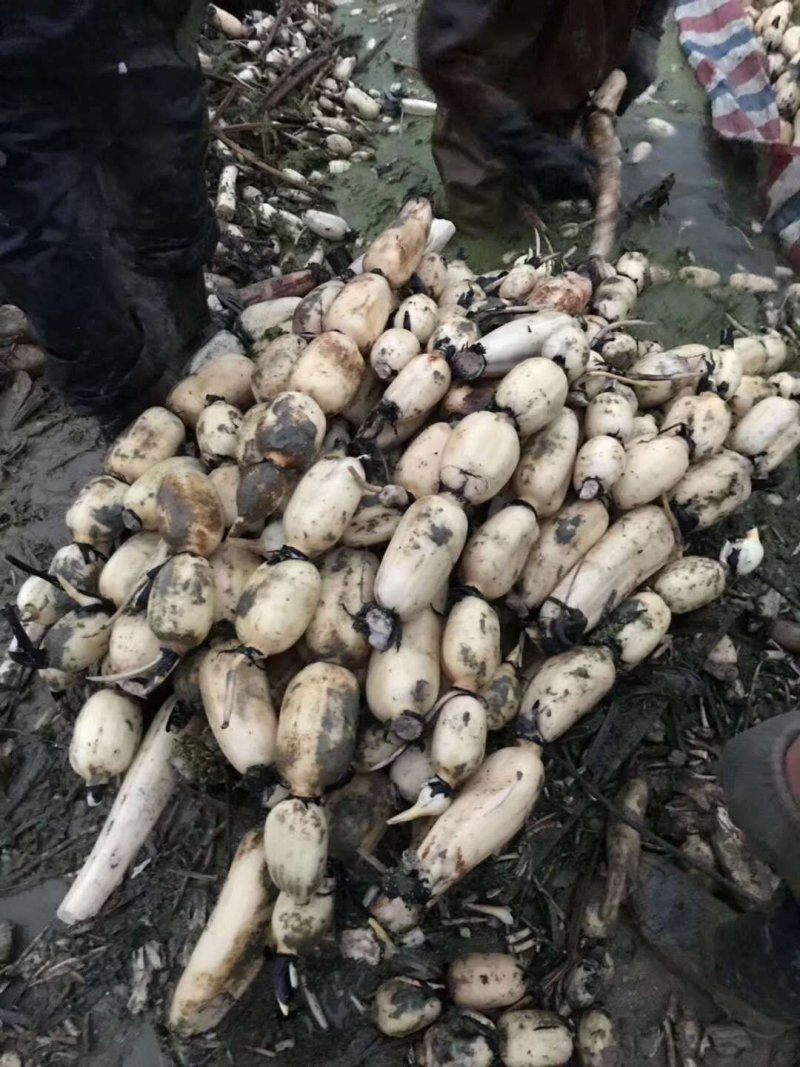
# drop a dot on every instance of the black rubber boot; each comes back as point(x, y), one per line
point(757, 957)
point(173, 316)
point(749, 964)
point(150, 394)
point(753, 775)
point(186, 299)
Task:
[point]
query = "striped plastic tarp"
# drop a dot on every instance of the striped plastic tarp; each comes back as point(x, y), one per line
point(730, 64)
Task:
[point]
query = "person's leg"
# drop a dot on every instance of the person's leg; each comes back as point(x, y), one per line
point(55, 260)
point(154, 139)
point(475, 185)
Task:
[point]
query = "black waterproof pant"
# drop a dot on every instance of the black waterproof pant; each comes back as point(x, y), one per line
point(105, 224)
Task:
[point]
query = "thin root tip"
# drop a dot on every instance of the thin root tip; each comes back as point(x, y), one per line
point(409, 815)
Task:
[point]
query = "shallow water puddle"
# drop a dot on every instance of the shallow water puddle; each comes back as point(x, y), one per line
point(712, 206)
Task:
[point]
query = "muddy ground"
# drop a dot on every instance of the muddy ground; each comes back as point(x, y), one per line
point(96, 994)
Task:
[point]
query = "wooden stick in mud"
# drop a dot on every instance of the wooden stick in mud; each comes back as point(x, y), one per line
point(601, 139)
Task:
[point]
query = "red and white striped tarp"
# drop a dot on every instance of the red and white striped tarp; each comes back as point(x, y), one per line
point(730, 63)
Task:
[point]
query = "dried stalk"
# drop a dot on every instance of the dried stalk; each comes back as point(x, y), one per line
point(269, 39)
point(297, 74)
point(233, 89)
point(277, 176)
